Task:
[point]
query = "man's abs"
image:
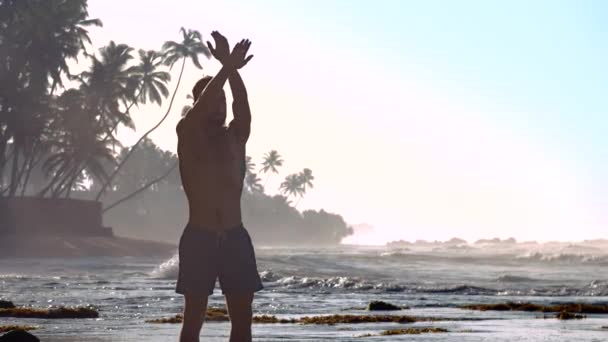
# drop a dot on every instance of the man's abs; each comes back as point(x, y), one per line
point(213, 190)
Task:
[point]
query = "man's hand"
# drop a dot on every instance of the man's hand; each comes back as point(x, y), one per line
point(221, 52)
point(238, 58)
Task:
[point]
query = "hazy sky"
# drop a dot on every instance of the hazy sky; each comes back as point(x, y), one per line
point(426, 119)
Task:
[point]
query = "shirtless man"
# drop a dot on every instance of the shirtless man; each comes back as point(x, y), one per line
point(212, 166)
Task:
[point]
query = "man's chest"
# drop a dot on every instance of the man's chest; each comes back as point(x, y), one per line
point(220, 156)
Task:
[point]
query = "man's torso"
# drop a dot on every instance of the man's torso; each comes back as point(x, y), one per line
point(212, 170)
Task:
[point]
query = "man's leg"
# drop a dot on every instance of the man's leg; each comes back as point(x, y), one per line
point(195, 309)
point(239, 309)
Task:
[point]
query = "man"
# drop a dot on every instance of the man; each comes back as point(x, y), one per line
point(212, 166)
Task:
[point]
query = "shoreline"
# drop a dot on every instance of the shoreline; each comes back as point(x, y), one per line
point(19, 246)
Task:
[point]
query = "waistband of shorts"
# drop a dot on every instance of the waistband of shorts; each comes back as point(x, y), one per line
point(218, 232)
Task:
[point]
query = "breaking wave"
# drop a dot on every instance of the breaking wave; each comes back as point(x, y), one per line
point(375, 273)
point(570, 258)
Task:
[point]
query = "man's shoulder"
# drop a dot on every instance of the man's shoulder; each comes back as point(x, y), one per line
point(181, 126)
point(186, 130)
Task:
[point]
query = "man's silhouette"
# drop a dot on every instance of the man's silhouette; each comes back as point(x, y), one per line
point(212, 166)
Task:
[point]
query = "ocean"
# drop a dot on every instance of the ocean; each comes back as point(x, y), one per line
point(432, 280)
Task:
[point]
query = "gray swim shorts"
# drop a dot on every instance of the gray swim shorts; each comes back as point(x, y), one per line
point(205, 255)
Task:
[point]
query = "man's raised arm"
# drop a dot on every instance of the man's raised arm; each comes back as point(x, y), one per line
point(199, 112)
point(241, 124)
point(230, 63)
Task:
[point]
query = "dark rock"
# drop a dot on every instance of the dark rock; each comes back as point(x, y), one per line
point(567, 315)
point(377, 305)
point(18, 336)
point(6, 304)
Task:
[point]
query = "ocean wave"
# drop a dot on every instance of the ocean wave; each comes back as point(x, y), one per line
point(507, 278)
point(570, 258)
point(25, 277)
point(297, 282)
point(167, 270)
point(459, 289)
point(506, 285)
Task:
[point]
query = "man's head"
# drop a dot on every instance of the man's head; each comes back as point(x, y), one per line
point(218, 104)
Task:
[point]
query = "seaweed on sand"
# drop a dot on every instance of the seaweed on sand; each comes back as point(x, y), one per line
point(60, 312)
point(412, 331)
point(353, 319)
point(220, 316)
point(530, 307)
point(212, 315)
point(7, 328)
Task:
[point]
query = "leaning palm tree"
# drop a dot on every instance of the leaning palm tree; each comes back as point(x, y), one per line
point(292, 186)
point(271, 161)
point(149, 83)
point(189, 49)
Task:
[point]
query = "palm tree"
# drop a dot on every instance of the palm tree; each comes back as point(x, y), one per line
point(252, 183)
point(152, 83)
point(249, 165)
point(47, 33)
point(306, 178)
point(108, 84)
point(189, 49)
point(149, 83)
point(75, 146)
point(292, 186)
point(271, 161)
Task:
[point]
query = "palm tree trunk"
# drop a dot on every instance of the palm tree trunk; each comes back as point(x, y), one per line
point(60, 187)
point(71, 184)
point(66, 177)
point(52, 182)
point(115, 129)
point(14, 172)
point(266, 181)
point(2, 154)
point(5, 155)
point(28, 170)
point(28, 174)
point(122, 162)
point(147, 185)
